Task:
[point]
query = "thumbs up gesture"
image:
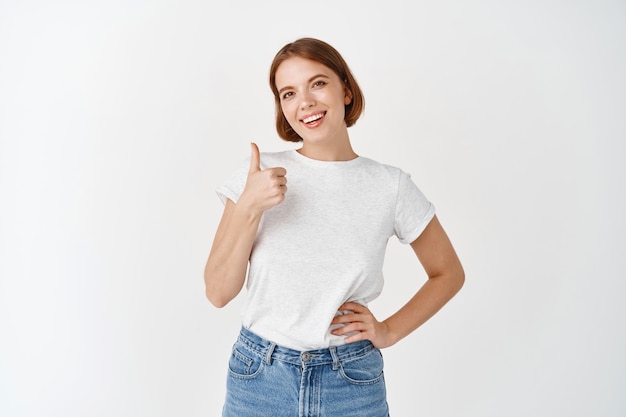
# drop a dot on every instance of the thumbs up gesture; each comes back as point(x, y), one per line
point(264, 188)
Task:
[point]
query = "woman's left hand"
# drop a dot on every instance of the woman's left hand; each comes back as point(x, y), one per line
point(363, 322)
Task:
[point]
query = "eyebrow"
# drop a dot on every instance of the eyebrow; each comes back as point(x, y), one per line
point(308, 81)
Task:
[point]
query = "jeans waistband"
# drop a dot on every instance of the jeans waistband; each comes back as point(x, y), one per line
point(334, 354)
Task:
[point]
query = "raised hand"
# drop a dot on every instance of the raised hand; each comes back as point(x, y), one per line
point(265, 188)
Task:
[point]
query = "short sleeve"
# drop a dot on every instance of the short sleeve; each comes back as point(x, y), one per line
point(234, 184)
point(413, 210)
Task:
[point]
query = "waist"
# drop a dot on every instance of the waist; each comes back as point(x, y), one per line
point(334, 354)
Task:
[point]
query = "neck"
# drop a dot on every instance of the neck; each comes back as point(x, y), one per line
point(322, 154)
point(338, 150)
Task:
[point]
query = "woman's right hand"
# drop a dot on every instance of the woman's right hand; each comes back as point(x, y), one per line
point(226, 268)
point(264, 188)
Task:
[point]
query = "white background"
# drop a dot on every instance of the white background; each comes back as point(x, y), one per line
point(118, 119)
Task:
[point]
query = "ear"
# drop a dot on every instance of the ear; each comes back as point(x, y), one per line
point(348, 96)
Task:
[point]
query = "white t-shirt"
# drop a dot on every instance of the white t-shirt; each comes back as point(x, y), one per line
point(324, 244)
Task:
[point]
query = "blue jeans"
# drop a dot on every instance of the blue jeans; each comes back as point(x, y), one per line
point(269, 380)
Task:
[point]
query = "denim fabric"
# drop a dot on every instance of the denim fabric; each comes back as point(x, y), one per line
point(269, 380)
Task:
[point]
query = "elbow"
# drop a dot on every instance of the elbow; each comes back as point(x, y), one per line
point(459, 279)
point(217, 293)
point(221, 287)
point(213, 291)
point(453, 279)
point(216, 299)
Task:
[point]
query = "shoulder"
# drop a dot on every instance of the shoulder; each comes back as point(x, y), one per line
point(380, 168)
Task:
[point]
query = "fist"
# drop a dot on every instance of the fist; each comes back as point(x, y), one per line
point(265, 188)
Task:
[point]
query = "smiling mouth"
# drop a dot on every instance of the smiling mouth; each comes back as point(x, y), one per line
point(313, 118)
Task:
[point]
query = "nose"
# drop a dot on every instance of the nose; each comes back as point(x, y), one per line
point(306, 100)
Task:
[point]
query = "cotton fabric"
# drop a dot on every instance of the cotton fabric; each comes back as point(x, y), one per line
point(266, 380)
point(324, 244)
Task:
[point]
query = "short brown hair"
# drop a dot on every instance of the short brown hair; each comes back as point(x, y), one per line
point(319, 51)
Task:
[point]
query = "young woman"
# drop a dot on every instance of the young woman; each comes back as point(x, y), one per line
point(309, 345)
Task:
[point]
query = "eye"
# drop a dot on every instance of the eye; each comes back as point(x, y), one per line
point(319, 83)
point(286, 95)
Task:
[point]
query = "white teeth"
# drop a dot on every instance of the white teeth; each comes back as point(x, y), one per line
point(313, 118)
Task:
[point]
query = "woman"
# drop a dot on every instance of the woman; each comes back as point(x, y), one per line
point(309, 345)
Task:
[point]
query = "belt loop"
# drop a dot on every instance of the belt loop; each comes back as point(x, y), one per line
point(268, 354)
point(333, 353)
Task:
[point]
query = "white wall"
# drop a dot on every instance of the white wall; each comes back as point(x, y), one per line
point(119, 118)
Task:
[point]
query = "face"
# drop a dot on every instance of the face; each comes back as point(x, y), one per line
point(313, 100)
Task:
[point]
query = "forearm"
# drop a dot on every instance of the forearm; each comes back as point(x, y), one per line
point(226, 267)
point(430, 298)
point(446, 277)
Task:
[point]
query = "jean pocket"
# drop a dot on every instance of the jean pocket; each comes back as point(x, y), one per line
point(366, 369)
point(244, 363)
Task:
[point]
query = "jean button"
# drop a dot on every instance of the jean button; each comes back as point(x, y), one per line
point(306, 356)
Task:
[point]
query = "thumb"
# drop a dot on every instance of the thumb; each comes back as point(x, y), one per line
point(255, 158)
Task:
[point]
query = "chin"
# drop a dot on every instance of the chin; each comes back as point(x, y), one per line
point(314, 140)
point(314, 137)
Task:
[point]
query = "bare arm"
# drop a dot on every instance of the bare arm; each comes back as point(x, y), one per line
point(225, 270)
point(445, 278)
